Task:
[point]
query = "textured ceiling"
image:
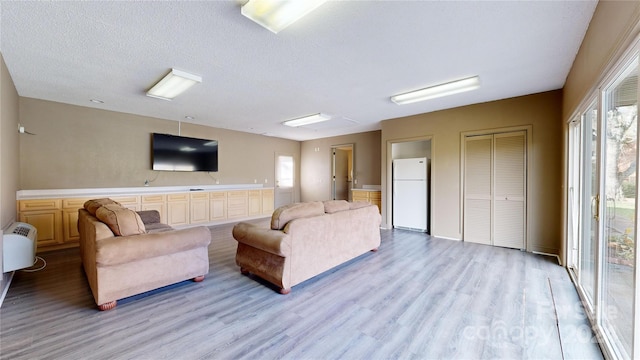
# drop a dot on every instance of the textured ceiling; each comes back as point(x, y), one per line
point(345, 59)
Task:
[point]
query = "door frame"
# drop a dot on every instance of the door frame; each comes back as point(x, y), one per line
point(529, 136)
point(275, 177)
point(333, 166)
point(387, 193)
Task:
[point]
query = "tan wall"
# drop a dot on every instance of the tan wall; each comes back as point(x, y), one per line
point(81, 147)
point(613, 26)
point(9, 153)
point(541, 111)
point(316, 165)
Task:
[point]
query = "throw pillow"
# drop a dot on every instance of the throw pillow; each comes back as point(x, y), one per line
point(92, 205)
point(122, 221)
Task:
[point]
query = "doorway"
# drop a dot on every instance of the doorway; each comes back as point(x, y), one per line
point(341, 172)
point(413, 207)
point(285, 175)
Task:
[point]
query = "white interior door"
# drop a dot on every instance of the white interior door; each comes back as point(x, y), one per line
point(477, 189)
point(495, 189)
point(285, 180)
point(509, 215)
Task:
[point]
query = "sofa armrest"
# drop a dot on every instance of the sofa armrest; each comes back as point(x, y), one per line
point(272, 241)
point(124, 249)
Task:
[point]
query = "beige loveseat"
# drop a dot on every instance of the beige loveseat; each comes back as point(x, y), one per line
point(122, 256)
point(306, 239)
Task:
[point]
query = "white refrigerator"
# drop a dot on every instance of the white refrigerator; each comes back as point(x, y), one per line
point(411, 193)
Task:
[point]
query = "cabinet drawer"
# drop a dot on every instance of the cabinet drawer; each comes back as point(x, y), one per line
point(254, 192)
point(158, 198)
point(374, 195)
point(41, 204)
point(178, 197)
point(199, 196)
point(237, 194)
point(126, 200)
point(218, 195)
point(73, 203)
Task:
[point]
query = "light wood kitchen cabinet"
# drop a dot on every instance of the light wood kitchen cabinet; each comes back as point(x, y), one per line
point(199, 207)
point(46, 216)
point(156, 202)
point(57, 218)
point(130, 202)
point(217, 205)
point(178, 209)
point(373, 197)
point(70, 209)
point(237, 203)
point(255, 202)
point(267, 201)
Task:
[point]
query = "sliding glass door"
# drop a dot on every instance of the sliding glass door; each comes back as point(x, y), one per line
point(620, 180)
point(602, 214)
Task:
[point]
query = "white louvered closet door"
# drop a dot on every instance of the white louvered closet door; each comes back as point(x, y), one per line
point(495, 189)
point(509, 189)
point(478, 187)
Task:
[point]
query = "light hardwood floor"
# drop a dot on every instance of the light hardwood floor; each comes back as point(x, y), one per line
point(418, 297)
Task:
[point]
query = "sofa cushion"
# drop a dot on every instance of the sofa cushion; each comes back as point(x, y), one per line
point(92, 205)
point(122, 221)
point(149, 217)
point(333, 206)
point(286, 213)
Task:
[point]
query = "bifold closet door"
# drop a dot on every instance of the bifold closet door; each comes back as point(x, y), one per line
point(477, 189)
point(509, 163)
point(495, 189)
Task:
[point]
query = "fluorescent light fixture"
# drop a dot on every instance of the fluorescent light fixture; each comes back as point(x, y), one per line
point(276, 15)
point(311, 119)
point(436, 91)
point(174, 84)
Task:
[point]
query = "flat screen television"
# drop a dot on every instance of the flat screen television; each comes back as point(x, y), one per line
point(180, 153)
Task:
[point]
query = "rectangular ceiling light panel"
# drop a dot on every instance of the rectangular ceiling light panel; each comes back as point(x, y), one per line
point(436, 91)
point(276, 15)
point(174, 84)
point(311, 119)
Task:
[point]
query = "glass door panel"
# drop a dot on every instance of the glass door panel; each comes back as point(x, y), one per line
point(619, 213)
point(590, 200)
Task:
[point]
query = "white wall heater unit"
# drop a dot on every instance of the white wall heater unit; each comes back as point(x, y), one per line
point(19, 246)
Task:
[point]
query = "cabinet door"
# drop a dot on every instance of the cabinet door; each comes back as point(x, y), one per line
point(199, 208)
point(177, 209)
point(70, 226)
point(48, 223)
point(218, 205)
point(375, 199)
point(130, 202)
point(255, 203)
point(237, 203)
point(156, 202)
point(358, 195)
point(267, 201)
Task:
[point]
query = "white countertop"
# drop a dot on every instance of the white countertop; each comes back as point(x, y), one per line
point(101, 192)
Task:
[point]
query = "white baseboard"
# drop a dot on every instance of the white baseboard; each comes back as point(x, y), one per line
point(6, 281)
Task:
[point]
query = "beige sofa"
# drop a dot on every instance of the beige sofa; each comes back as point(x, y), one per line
point(306, 239)
point(122, 256)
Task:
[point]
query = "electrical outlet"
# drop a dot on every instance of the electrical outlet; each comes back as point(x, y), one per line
point(266, 181)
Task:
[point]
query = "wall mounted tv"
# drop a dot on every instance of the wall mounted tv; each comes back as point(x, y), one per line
point(179, 153)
